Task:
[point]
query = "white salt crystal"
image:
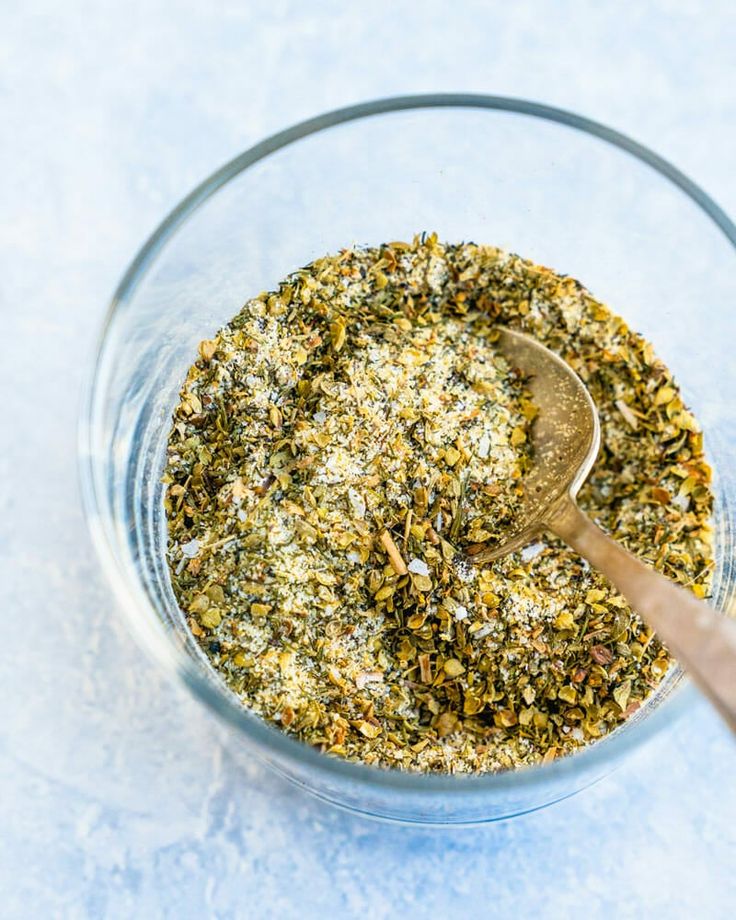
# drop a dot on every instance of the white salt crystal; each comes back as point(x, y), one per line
point(529, 552)
point(356, 503)
point(190, 549)
point(482, 632)
point(418, 567)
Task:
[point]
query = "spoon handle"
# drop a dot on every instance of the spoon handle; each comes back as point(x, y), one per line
point(703, 640)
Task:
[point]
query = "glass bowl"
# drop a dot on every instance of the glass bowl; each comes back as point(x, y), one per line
point(554, 187)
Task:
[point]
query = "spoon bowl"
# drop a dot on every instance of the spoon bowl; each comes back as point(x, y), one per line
point(566, 436)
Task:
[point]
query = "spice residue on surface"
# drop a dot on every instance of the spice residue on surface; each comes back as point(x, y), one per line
point(342, 443)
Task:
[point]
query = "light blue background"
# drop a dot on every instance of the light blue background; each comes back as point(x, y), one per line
point(116, 798)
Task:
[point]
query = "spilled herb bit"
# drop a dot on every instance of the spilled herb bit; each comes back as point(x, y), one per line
point(344, 441)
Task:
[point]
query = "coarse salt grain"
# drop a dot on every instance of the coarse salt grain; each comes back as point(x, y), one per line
point(529, 552)
point(190, 549)
point(418, 567)
point(356, 503)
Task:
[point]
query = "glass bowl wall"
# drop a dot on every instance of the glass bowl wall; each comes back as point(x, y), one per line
point(554, 187)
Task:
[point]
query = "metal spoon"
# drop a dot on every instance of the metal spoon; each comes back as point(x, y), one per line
point(565, 442)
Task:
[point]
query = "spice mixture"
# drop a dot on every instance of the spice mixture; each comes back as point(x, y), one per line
point(340, 445)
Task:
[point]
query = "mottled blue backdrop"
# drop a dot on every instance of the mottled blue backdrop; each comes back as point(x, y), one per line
point(116, 798)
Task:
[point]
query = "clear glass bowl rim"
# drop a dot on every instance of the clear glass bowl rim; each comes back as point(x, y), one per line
point(594, 758)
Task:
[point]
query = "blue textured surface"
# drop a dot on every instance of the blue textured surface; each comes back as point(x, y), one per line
point(116, 799)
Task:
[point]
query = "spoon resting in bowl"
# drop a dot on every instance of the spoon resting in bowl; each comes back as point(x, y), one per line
point(565, 441)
